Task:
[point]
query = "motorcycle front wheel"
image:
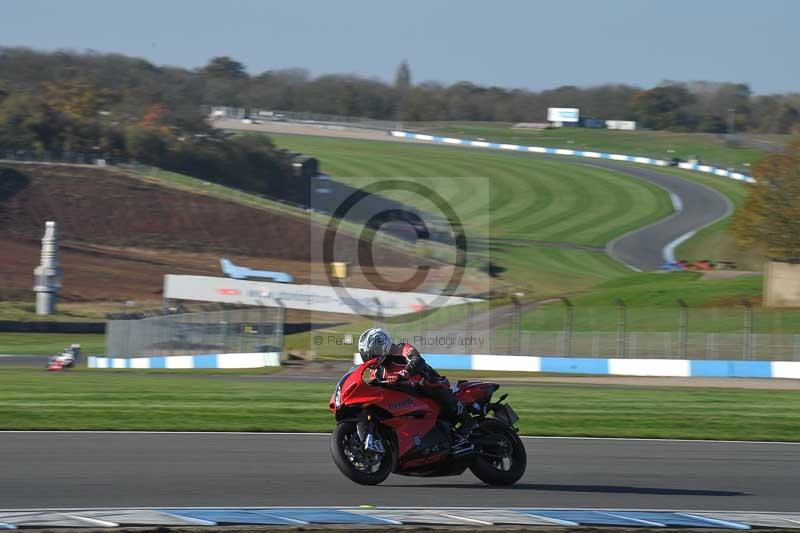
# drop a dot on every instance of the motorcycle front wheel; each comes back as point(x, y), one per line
point(361, 466)
point(504, 461)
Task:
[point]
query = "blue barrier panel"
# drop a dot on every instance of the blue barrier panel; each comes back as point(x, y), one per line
point(327, 516)
point(7, 526)
point(158, 362)
point(449, 362)
point(235, 516)
point(596, 518)
point(731, 369)
point(683, 520)
point(204, 361)
point(575, 365)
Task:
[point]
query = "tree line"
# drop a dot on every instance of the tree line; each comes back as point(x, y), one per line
point(116, 107)
point(701, 106)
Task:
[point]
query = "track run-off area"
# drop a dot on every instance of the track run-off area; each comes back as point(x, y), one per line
point(131, 469)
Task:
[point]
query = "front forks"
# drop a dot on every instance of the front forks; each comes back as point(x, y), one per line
point(368, 434)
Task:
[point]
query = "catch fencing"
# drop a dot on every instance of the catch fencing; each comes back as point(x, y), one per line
point(650, 345)
point(743, 332)
point(249, 330)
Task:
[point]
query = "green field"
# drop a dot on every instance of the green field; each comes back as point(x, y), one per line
point(709, 148)
point(50, 343)
point(530, 200)
point(35, 399)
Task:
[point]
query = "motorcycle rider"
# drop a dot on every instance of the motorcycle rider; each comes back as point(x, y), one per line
point(395, 363)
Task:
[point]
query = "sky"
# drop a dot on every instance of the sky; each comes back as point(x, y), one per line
point(535, 44)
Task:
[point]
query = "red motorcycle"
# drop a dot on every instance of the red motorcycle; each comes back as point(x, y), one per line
point(383, 429)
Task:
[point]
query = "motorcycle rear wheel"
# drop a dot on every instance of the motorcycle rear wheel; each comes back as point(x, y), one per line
point(346, 456)
point(501, 471)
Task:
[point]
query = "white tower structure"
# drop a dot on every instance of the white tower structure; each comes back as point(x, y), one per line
point(47, 275)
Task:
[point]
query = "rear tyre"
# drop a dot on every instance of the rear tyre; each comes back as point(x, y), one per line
point(504, 461)
point(353, 461)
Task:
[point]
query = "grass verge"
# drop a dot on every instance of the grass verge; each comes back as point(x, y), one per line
point(50, 343)
point(34, 400)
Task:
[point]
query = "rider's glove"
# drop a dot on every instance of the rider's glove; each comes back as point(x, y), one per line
point(403, 374)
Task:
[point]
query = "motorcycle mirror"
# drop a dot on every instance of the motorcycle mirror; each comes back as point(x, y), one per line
point(503, 397)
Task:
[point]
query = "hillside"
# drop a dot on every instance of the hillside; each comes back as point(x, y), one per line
point(122, 232)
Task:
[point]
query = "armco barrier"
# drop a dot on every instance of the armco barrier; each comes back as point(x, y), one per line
point(222, 360)
point(616, 367)
point(575, 153)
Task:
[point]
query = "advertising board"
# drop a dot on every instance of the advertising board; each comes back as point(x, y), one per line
point(563, 114)
point(308, 297)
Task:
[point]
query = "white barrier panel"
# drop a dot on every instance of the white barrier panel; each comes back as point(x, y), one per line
point(514, 363)
point(140, 362)
point(786, 369)
point(649, 367)
point(247, 360)
point(180, 361)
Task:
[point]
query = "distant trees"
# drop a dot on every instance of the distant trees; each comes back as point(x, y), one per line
point(119, 107)
point(770, 216)
point(26, 122)
point(402, 78)
point(664, 107)
point(146, 145)
point(224, 67)
point(82, 84)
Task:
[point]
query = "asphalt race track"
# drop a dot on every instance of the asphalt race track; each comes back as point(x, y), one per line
point(70, 470)
point(701, 206)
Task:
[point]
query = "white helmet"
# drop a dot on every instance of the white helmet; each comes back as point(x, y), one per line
point(374, 343)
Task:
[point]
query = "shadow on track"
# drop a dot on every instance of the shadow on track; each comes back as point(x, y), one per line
point(608, 489)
